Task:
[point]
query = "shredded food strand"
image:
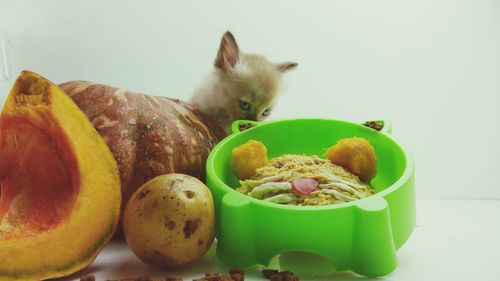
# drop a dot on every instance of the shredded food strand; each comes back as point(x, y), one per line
point(335, 184)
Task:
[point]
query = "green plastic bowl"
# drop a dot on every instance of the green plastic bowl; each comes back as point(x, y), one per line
point(361, 236)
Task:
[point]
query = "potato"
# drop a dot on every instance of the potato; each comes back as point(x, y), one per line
point(247, 158)
point(169, 221)
point(355, 155)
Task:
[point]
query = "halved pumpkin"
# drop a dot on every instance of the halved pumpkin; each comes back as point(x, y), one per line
point(60, 188)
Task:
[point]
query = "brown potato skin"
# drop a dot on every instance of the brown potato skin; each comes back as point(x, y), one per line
point(147, 135)
point(169, 221)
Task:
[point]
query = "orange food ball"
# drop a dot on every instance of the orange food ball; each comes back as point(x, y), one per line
point(247, 158)
point(355, 155)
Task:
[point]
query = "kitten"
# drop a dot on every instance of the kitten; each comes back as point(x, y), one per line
point(242, 86)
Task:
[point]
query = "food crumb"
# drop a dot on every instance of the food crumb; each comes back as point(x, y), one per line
point(237, 274)
point(88, 277)
point(212, 276)
point(237, 277)
point(275, 275)
point(268, 273)
point(234, 275)
point(374, 125)
point(244, 126)
point(288, 276)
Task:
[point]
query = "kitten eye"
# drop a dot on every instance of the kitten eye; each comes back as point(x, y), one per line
point(266, 112)
point(244, 105)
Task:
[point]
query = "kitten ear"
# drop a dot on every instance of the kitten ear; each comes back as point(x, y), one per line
point(289, 65)
point(228, 54)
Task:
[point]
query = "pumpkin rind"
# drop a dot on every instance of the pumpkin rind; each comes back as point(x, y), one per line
point(87, 221)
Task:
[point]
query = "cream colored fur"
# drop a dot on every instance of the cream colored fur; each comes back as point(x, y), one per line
point(239, 78)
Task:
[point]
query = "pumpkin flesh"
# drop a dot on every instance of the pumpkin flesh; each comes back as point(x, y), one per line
point(56, 174)
point(39, 188)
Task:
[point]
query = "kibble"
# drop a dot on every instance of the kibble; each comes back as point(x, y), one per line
point(234, 275)
point(89, 277)
point(275, 275)
point(237, 277)
point(374, 125)
point(244, 126)
point(268, 273)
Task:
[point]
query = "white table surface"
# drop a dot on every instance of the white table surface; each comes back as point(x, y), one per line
point(453, 240)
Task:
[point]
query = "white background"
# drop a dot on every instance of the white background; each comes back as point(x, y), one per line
point(430, 67)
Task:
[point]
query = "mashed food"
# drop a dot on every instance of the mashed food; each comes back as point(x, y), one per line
point(304, 180)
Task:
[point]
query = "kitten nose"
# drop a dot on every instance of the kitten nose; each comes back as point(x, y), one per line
point(252, 116)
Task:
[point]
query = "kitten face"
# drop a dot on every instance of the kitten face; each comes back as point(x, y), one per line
point(245, 86)
point(252, 88)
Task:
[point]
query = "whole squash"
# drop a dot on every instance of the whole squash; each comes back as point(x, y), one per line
point(60, 189)
point(148, 135)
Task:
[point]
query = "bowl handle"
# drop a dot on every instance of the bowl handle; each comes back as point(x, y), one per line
point(235, 126)
point(387, 127)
